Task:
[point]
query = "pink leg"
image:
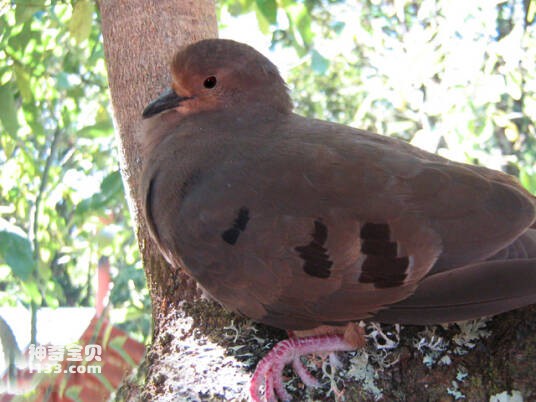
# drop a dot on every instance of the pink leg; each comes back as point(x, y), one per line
point(269, 390)
point(302, 372)
point(270, 368)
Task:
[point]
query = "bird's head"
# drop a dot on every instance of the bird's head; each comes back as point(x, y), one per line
point(216, 74)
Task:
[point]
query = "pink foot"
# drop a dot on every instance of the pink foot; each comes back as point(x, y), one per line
point(270, 368)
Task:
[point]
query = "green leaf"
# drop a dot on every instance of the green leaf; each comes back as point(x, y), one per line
point(73, 392)
point(23, 82)
point(112, 184)
point(105, 381)
point(338, 26)
point(268, 8)
point(528, 180)
point(81, 20)
point(264, 25)
point(110, 187)
point(118, 344)
point(239, 7)
point(62, 81)
point(8, 145)
point(514, 84)
point(71, 63)
point(32, 117)
point(16, 250)
point(31, 289)
point(531, 12)
point(303, 23)
point(20, 41)
point(97, 130)
point(25, 9)
point(319, 63)
point(8, 110)
point(291, 36)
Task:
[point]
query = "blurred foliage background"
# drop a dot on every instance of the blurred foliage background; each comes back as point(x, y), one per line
point(453, 77)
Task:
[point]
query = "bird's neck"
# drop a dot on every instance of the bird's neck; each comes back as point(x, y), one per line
point(211, 126)
point(156, 129)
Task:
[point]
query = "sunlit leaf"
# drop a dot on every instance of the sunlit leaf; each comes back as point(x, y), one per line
point(303, 23)
point(319, 63)
point(23, 83)
point(100, 129)
point(52, 299)
point(62, 81)
point(268, 8)
point(31, 289)
point(112, 184)
point(32, 117)
point(8, 145)
point(511, 132)
point(294, 37)
point(338, 26)
point(25, 9)
point(8, 110)
point(531, 12)
point(240, 7)
point(262, 22)
point(287, 3)
point(110, 187)
point(16, 250)
point(81, 20)
point(71, 63)
point(528, 180)
point(513, 84)
point(26, 34)
point(501, 119)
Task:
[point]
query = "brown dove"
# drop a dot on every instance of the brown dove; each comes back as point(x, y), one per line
point(304, 224)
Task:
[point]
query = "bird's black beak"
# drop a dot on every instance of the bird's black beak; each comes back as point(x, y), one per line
point(167, 100)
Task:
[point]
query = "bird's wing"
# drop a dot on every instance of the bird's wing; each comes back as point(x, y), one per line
point(475, 290)
point(327, 225)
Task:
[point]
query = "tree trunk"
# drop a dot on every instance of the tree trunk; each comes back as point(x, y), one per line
point(140, 37)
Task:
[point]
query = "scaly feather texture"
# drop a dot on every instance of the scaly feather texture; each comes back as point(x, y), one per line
point(299, 223)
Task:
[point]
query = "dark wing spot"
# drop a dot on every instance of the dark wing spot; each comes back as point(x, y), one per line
point(242, 219)
point(382, 266)
point(384, 272)
point(315, 256)
point(231, 235)
point(379, 247)
point(320, 234)
point(377, 231)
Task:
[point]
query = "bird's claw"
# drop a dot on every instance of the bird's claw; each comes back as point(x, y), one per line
point(270, 368)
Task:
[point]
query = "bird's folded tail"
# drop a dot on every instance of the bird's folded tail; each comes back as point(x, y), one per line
point(505, 282)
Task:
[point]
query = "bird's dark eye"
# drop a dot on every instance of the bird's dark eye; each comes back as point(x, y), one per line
point(210, 82)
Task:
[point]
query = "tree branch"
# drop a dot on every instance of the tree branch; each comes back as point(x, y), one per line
point(34, 223)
